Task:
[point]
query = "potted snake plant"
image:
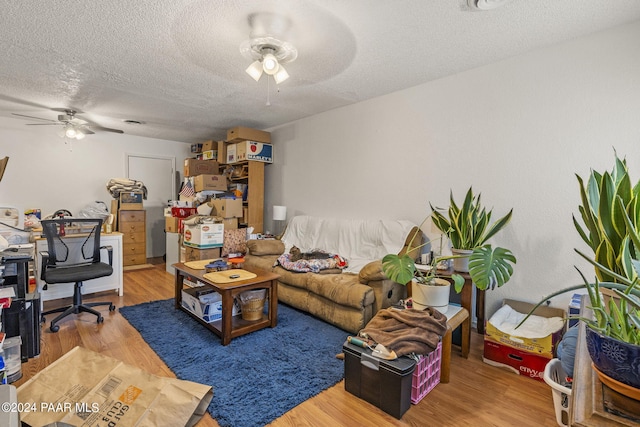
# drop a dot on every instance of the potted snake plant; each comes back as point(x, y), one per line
point(469, 227)
point(610, 212)
point(489, 267)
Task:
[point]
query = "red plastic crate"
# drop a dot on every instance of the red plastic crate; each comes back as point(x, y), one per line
point(426, 375)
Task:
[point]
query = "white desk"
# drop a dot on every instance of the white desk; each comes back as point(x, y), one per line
point(65, 290)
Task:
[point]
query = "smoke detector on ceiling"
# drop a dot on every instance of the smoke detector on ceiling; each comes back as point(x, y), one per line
point(486, 4)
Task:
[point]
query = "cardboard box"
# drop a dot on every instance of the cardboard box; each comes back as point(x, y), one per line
point(210, 155)
point(521, 362)
point(193, 167)
point(240, 133)
point(210, 182)
point(252, 150)
point(222, 152)
point(131, 201)
point(173, 224)
point(230, 223)
point(206, 304)
point(226, 208)
point(574, 309)
point(204, 236)
point(545, 346)
point(209, 145)
point(195, 254)
point(183, 212)
point(383, 383)
point(231, 153)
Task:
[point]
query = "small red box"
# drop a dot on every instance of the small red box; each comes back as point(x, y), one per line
point(518, 361)
point(183, 212)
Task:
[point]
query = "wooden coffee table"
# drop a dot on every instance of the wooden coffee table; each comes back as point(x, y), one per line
point(231, 326)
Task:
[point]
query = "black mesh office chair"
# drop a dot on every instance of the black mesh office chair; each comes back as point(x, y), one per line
point(73, 263)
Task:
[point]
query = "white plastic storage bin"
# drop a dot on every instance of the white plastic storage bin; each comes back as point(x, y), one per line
point(554, 375)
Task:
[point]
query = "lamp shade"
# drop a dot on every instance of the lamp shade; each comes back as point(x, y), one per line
point(279, 213)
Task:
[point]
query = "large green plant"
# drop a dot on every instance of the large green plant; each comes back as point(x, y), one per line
point(469, 225)
point(488, 267)
point(606, 198)
point(610, 213)
point(616, 319)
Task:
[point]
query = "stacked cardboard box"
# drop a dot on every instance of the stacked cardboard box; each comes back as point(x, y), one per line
point(524, 356)
point(248, 144)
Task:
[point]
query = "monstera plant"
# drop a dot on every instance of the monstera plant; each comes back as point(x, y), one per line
point(470, 227)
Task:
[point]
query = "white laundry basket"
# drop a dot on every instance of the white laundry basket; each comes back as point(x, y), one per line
point(554, 375)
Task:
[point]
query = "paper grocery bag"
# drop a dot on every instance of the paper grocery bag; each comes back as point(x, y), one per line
point(85, 388)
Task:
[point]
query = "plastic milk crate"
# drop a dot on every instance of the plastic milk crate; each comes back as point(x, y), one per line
point(427, 374)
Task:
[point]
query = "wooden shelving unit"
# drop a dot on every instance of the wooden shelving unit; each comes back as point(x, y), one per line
point(252, 174)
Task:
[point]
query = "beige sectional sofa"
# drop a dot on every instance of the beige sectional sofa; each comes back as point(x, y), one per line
point(349, 299)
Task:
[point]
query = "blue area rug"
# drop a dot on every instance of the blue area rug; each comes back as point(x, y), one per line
point(258, 376)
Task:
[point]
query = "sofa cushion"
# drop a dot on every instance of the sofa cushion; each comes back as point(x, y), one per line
point(359, 241)
point(265, 247)
point(341, 288)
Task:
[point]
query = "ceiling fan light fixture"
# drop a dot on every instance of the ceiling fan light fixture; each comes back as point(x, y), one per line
point(80, 135)
point(70, 131)
point(270, 64)
point(255, 70)
point(281, 75)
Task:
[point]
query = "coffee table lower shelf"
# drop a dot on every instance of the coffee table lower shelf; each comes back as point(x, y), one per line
point(230, 326)
point(238, 325)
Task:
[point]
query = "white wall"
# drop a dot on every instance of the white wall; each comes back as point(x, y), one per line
point(46, 173)
point(518, 131)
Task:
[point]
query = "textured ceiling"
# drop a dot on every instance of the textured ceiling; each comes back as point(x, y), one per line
point(176, 65)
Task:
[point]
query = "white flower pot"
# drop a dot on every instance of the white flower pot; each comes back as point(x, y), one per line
point(432, 295)
point(461, 264)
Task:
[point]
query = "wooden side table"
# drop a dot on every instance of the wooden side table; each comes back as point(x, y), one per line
point(456, 316)
point(466, 297)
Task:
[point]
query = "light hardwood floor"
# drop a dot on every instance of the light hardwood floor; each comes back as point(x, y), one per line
point(478, 394)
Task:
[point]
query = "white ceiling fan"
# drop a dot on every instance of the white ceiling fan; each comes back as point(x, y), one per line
point(74, 127)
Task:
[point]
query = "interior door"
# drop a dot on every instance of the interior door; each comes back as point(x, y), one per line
point(157, 173)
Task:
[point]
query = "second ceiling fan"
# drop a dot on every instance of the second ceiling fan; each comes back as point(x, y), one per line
point(74, 127)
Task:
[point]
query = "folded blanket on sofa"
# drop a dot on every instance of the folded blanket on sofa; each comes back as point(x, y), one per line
point(407, 331)
point(333, 264)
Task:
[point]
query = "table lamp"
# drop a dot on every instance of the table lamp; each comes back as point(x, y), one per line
point(279, 218)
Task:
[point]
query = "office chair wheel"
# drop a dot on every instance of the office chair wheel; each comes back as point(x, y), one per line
point(42, 319)
point(112, 307)
point(54, 328)
point(100, 319)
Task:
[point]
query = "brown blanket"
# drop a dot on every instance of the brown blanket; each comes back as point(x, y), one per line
point(407, 331)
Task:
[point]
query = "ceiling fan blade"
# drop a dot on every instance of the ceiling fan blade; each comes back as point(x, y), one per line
point(33, 117)
point(96, 127)
point(78, 121)
point(43, 124)
point(70, 111)
point(86, 130)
